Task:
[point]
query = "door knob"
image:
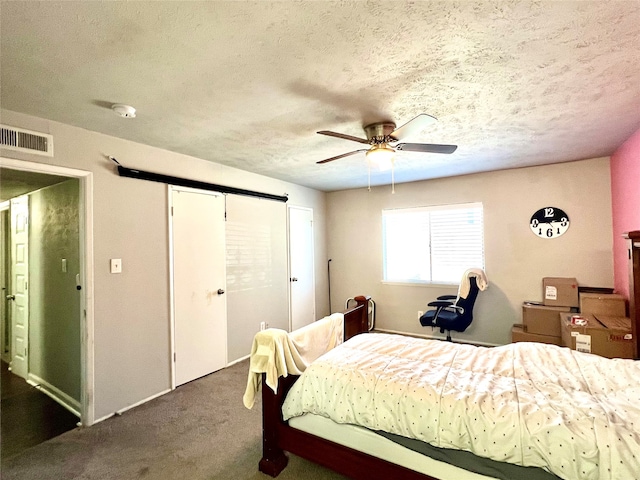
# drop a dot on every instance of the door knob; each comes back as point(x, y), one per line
point(220, 291)
point(11, 297)
point(294, 279)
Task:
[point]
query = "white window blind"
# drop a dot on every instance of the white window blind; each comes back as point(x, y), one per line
point(432, 244)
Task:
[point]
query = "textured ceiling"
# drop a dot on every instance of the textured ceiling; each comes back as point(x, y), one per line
point(247, 84)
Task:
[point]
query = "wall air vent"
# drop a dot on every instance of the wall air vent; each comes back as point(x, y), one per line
point(21, 140)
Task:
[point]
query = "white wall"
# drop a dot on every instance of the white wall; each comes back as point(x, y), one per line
point(132, 334)
point(515, 259)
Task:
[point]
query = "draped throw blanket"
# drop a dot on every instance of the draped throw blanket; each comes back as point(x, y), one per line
point(278, 353)
point(465, 285)
point(574, 414)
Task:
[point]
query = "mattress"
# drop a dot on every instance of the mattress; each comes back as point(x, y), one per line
point(369, 442)
point(530, 405)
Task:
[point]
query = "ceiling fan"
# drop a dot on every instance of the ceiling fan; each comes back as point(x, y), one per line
point(383, 138)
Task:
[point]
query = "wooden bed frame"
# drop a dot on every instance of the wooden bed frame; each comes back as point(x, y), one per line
point(278, 436)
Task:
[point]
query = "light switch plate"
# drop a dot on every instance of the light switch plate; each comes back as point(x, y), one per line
point(64, 265)
point(116, 265)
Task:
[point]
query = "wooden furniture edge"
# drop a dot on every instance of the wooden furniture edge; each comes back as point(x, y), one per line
point(344, 460)
point(634, 288)
point(279, 437)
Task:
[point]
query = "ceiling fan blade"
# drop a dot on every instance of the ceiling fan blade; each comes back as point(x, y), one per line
point(426, 147)
point(343, 155)
point(342, 135)
point(413, 127)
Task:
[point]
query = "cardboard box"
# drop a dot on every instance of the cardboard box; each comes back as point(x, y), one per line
point(519, 334)
point(602, 335)
point(560, 292)
point(542, 319)
point(612, 305)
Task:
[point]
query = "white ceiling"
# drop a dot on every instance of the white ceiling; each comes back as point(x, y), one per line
point(247, 84)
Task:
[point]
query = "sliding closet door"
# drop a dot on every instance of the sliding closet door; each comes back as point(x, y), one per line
point(257, 277)
point(199, 283)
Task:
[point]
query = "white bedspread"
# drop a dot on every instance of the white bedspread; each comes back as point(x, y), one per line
point(575, 414)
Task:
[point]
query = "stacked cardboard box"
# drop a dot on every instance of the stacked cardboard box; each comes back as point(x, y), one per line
point(541, 321)
point(519, 333)
point(560, 292)
point(611, 304)
point(607, 331)
point(603, 335)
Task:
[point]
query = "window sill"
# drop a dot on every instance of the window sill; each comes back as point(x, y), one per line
point(420, 284)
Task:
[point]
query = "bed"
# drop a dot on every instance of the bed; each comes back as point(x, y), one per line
point(315, 427)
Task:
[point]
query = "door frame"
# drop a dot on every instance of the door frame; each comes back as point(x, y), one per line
point(85, 178)
point(172, 305)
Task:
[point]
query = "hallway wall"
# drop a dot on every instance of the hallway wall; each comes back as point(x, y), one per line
point(54, 319)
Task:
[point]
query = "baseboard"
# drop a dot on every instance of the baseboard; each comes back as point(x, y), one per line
point(55, 393)
point(238, 360)
point(434, 337)
point(148, 399)
point(122, 410)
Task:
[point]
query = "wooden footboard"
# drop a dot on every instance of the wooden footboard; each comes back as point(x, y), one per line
point(279, 437)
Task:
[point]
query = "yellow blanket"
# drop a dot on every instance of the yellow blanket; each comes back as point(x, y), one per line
point(278, 353)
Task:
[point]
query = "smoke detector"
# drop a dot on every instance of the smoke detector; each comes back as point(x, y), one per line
point(125, 111)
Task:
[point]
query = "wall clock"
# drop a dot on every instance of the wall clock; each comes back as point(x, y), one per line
point(549, 222)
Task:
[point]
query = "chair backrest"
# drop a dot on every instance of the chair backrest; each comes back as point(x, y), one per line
point(465, 319)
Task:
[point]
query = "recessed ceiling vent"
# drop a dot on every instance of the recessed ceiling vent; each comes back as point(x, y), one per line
point(21, 140)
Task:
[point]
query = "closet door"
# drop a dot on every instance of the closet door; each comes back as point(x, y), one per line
point(256, 270)
point(199, 300)
point(301, 267)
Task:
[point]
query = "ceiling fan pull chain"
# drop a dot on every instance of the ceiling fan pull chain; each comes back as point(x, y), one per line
point(369, 170)
point(393, 179)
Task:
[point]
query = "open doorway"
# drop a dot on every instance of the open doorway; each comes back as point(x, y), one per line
point(59, 359)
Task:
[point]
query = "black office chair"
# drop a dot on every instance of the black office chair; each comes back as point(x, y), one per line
point(455, 312)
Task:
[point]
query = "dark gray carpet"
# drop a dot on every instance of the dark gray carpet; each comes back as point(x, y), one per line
point(200, 431)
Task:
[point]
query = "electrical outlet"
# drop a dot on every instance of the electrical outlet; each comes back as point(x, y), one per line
point(420, 313)
point(263, 326)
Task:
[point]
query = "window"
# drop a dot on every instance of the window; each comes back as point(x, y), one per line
point(432, 244)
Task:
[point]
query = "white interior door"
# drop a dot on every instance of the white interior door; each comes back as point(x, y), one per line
point(5, 284)
point(19, 298)
point(301, 267)
point(200, 330)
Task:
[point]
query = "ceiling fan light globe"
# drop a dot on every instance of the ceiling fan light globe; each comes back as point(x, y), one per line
point(381, 157)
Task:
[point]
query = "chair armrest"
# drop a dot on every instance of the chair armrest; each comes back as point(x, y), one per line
point(440, 304)
point(447, 297)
